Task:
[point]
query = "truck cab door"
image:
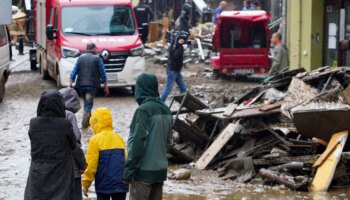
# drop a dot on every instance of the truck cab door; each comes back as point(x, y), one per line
point(51, 44)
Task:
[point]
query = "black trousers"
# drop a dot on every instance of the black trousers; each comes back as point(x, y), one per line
point(144, 30)
point(115, 196)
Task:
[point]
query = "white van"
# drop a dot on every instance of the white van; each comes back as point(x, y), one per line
point(4, 60)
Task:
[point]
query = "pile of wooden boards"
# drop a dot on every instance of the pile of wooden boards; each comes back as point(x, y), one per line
point(290, 130)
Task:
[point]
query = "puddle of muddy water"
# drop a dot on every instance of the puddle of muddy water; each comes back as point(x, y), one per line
point(263, 192)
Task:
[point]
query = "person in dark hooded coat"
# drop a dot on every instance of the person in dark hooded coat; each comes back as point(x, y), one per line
point(52, 141)
point(72, 104)
point(148, 143)
point(185, 16)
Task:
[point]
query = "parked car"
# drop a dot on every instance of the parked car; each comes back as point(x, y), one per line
point(4, 60)
point(242, 39)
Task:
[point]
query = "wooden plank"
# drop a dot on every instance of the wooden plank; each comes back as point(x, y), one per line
point(230, 109)
point(191, 103)
point(308, 159)
point(210, 111)
point(216, 146)
point(270, 107)
point(324, 174)
point(253, 112)
point(221, 116)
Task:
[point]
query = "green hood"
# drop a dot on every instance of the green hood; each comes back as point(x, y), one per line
point(146, 88)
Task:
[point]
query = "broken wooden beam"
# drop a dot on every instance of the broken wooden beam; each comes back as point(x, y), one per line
point(281, 178)
point(328, 162)
point(191, 133)
point(254, 112)
point(178, 157)
point(216, 146)
point(191, 103)
point(309, 159)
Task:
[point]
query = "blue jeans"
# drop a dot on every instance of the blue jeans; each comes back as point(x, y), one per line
point(172, 77)
point(88, 93)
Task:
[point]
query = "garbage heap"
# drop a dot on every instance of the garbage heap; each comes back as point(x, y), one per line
point(199, 49)
point(290, 130)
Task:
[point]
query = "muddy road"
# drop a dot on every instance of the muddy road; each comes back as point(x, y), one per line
point(19, 106)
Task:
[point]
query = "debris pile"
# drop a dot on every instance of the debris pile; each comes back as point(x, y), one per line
point(198, 50)
point(290, 130)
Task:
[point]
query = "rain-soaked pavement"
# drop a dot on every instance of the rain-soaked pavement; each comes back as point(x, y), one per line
point(19, 106)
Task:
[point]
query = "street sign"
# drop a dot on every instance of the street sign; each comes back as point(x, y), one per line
point(5, 12)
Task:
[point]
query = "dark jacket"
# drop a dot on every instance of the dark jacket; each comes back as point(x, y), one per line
point(52, 142)
point(185, 17)
point(176, 57)
point(150, 134)
point(143, 13)
point(72, 105)
point(88, 70)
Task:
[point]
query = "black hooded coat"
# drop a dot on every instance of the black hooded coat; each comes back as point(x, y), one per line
point(52, 142)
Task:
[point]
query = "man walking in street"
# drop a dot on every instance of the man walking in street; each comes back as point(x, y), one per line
point(175, 63)
point(144, 14)
point(148, 143)
point(280, 61)
point(218, 11)
point(91, 73)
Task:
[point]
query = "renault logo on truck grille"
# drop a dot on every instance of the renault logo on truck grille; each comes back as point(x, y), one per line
point(105, 55)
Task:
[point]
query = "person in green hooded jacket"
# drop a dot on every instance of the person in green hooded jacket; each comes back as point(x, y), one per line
point(148, 143)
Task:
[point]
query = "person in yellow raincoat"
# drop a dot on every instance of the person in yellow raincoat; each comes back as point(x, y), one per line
point(105, 158)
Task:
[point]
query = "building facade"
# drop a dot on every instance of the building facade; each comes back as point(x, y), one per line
point(316, 31)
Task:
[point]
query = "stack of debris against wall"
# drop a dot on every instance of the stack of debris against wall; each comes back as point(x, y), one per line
point(289, 130)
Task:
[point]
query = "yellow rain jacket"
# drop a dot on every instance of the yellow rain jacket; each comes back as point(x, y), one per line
point(105, 156)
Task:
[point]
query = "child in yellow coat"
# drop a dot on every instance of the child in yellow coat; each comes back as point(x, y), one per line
point(105, 158)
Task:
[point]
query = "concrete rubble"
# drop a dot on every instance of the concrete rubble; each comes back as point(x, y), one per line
point(276, 131)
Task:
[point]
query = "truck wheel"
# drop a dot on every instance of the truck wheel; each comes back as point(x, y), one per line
point(43, 72)
point(33, 65)
point(215, 74)
point(133, 90)
point(2, 90)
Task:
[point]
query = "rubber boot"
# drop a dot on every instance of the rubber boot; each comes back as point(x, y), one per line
point(86, 119)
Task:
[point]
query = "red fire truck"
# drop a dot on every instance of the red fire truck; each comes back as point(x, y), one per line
point(63, 28)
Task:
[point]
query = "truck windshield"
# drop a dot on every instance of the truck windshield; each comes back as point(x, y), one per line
point(97, 20)
point(238, 34)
